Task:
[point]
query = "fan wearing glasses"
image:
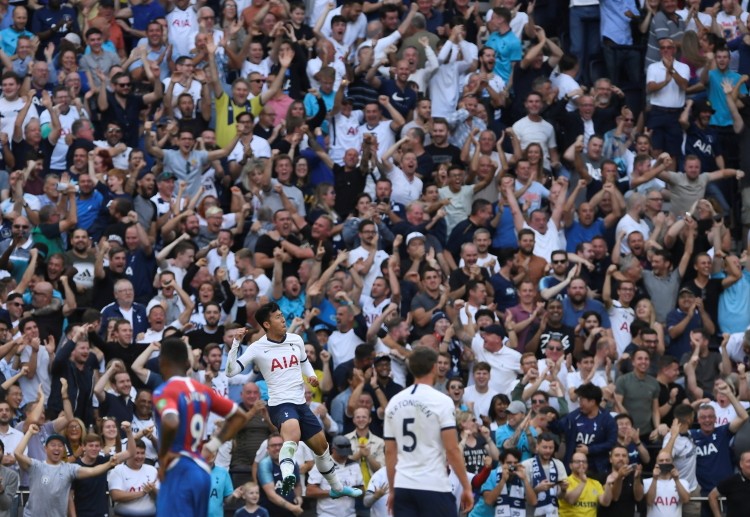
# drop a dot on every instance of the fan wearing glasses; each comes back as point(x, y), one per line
point(552, 374)
point(113, 144)
point(124, 106)
point(14, 306)
point(553, 285)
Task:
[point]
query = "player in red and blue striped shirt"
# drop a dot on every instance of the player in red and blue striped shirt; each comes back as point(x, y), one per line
point(182, 408)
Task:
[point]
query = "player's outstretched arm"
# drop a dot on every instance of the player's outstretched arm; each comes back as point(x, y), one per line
point(235, 367)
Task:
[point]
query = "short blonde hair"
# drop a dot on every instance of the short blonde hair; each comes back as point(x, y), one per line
point(464, 416)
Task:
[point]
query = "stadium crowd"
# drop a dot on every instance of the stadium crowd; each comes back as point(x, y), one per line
point(551, 196)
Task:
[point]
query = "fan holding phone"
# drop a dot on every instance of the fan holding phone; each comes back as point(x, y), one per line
point(665, 492)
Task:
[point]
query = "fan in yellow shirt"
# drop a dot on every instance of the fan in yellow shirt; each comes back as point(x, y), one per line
point(583, 495)
point(228, 108)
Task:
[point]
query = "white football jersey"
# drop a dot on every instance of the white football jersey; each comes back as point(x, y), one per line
point(281, 364)
point(415, 419)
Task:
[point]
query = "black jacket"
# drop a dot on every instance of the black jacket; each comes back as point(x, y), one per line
point(80, 383)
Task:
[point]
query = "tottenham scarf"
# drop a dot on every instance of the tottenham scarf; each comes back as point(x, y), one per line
point(546, 501)
point(512, 500)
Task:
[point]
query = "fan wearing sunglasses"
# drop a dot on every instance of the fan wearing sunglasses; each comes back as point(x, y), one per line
point(554, 284)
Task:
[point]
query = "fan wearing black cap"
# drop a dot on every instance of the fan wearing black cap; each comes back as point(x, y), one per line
point(348, 472)
point(50, 480)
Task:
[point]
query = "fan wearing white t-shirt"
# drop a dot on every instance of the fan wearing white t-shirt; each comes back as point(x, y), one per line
point(383, 130)
point(588, 372)
point(248, 145)
point(66, 116)
point(665, 492)
point(186, 84)
point(133, 485)
point(666, 82)
point(563, 80)
point(632, 221)
point(346, 131)
point(407, 186)
point(370, 255)
point(534, 129)
point(621, 314)
point(546, 232)
point(479, 395)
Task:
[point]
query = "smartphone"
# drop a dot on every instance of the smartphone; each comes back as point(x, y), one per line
point(666, 467)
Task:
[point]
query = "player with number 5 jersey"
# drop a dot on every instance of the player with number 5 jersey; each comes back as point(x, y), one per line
point(182, 409)
point(282, 360)
point(420, 438)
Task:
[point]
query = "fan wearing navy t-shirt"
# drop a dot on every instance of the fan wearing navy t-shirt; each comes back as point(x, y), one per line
point(714, 461)
point(141, 262)
point(400, 95)
point(588, 429)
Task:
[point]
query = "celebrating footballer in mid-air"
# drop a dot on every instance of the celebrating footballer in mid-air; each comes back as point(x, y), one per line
point(282, 360)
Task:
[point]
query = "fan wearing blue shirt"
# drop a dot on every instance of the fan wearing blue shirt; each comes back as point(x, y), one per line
point(504, 42)
point(588, 225)
point(577, 302)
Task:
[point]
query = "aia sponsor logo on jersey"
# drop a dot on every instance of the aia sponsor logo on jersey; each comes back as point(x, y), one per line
point(284, 362)
point(666, 501)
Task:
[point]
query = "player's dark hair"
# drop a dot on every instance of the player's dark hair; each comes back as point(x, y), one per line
point(174, 352)
point(591, 392)
point(263, 314)
point(421, 361)
point(140, 444)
